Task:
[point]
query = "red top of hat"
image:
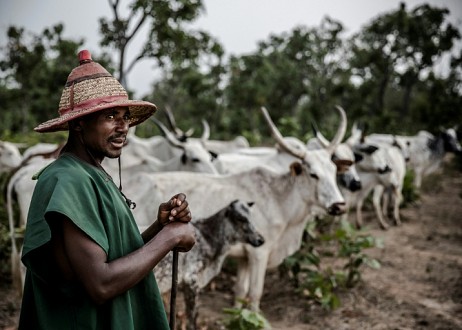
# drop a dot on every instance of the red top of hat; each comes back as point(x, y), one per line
point(84, 56)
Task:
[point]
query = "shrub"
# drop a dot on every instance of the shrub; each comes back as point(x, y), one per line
point(245, 319)
point(320, 282)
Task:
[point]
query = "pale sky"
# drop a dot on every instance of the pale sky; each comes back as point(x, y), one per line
point(237, 24)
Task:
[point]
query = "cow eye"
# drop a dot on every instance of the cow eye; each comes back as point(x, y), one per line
point(314, 176)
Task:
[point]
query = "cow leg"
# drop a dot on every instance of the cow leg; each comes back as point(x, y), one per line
point(258, 261)
point(241, 287)
point(17, 272)
point(191, 297)
point(398, 197)
point(359, 215)
point(376, 198)
point(418, 178)
point(386, 196)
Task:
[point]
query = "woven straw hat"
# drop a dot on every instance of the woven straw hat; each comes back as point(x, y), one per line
point(90, 88)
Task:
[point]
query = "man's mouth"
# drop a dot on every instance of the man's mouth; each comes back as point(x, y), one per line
point(117, 142)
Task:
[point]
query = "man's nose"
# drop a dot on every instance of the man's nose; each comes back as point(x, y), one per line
point(122, 125)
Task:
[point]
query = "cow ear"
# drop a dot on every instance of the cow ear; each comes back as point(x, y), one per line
point(296, 168)
point(213, 154)
point(368, 149)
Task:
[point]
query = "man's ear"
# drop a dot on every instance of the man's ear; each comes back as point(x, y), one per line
point(75, 125)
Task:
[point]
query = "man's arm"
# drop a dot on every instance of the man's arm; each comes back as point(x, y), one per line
point(105, 280)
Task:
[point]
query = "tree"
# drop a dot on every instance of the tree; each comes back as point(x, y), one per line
point(168, 40)
point(393, 53)
point(299, 74)
point(34, 75)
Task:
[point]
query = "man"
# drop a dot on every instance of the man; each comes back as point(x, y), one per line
point(88, 267)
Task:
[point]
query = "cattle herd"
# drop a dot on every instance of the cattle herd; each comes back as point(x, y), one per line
point(248, 203)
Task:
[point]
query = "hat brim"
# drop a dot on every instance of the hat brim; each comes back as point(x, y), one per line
point(139, 112)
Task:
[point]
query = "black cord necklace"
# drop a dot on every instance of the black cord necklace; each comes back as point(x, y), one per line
point(131, 204)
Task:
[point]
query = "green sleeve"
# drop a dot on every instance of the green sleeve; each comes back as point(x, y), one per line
point(77, 199)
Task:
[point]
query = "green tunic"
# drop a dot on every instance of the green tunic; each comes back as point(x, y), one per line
point(85, 195)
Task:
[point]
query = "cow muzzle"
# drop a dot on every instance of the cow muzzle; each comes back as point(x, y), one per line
point(337, 209)
point(354, 185)
point(256, 241)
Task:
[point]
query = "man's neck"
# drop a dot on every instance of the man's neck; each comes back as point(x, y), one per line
point(77, 148)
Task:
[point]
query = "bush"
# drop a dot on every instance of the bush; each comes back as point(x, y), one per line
point(322, 283)
point(410, 194)
point(245, 319)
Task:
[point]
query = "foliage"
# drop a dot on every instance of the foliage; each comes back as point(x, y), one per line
point(192, 93)
point(383, 75)
point(245, 319)
point(35, 70)
point(296, 74)
point(391, 57)
point(168, 41)
point(409, 192)
point(320, 282)
point(32, 84)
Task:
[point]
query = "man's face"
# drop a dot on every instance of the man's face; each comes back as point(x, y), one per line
point(104, 132)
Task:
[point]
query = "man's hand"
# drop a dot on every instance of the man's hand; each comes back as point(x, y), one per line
point(176, 209)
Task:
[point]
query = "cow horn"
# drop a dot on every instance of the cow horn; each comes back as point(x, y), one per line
point(341, 129)
point(318, 135)
point(339, 135)
point(174, 128)
point(280, 140)
point(168, 135)
point(206, 133)
point(170, 118)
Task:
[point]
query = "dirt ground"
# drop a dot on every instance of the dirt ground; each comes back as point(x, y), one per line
point(419, 284)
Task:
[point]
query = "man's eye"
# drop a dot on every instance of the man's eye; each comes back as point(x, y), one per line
point(110, 116)
point(127, 117)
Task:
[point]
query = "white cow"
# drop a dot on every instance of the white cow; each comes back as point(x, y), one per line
point(23, 185)
point(10, 157)
point(383, 170)
point(401, 143)
point(282, 203)
point(391, 181)
point(369, 157)
point(214, 237)
point(426, 151)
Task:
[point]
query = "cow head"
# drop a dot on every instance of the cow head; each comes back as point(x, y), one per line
point(369, 156)
point(238, 214)
point(315, 169)
point(194, 157)
point(451, 143)
point(344, 159)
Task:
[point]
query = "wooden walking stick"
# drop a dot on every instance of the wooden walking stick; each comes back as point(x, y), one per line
point(174, 288)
